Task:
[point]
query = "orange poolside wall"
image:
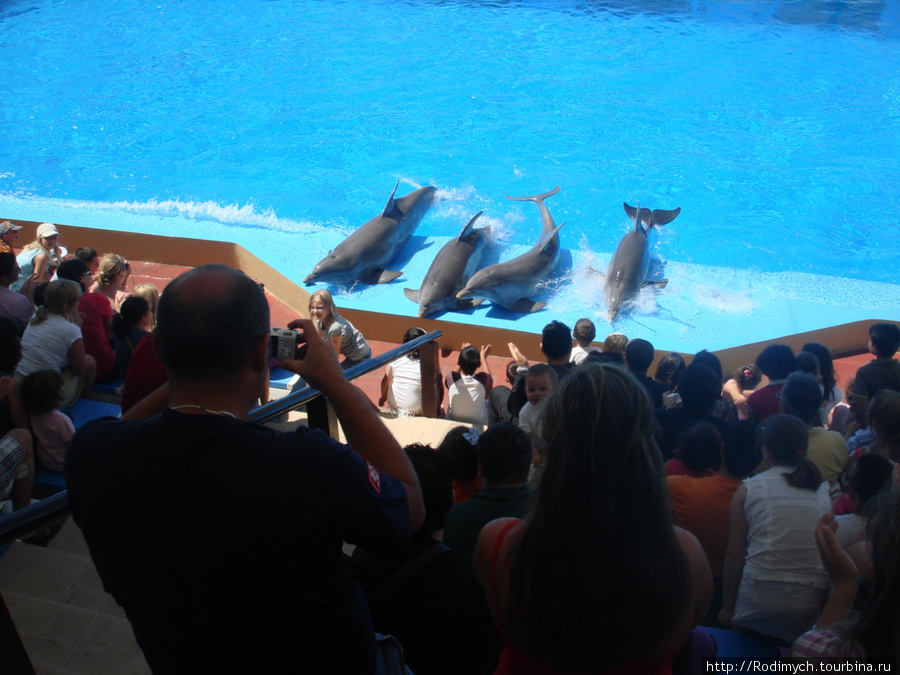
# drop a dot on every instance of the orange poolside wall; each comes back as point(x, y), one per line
point(843, 340)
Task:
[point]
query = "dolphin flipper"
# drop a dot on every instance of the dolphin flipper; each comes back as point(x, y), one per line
point(526, 306)
point(381, 276)
point(468, 303)
point(411, 294)
point(661, 283)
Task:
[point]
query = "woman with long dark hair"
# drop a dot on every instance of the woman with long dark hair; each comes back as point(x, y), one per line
point(597, 578)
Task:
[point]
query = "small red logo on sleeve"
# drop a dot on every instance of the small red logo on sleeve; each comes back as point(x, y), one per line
point(374, 478)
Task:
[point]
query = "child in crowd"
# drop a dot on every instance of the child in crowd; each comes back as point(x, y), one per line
point(42, 394)
point(865, 479)
point(584, 333)
point(401, 386)
point(53, 340)
point(458, 450)
point(698, 453)
point(668, 371)
point(776, 362)
point(744, 381)
point(89, 257)
point(539, 382)
point(149, 293)
point(468, 386)
point(130, 325)
point(832, 394)
point(346, 339)
point(498, 397)
point(613, 350)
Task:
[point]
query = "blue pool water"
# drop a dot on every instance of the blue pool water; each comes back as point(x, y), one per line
point(284, 124)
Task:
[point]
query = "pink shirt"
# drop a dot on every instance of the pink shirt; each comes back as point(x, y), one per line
point(53, 431)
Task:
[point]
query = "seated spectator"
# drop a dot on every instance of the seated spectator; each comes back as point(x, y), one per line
point(556, 346)
point(596, 579)
point(801, 396)
point(882, 372)
point(702, 506)
point(97, 308)
point(539, 382)
point(866, 479)
point(668, 370)
point(401, 386)
point(202, 478)
point(9, 236)
point(14, 305)
point(504, 458)
point(776, 362)
point(150, 293)
point(584, 334)
point(146, 373)
point(498, 397)
point(699, 388)
point(832, 394)
point(698, 453)
point(468, 386)
point(426, 595)
point(53, 340)
point(638, 357)
point(872, 635)
point(808, 363)
point(770, 554)
point(884, 415)
point(77, 271)
point(744, 381)
point(39, 260)
point(343, 335)
point(613, 350)
point(16, 447)
point(42, 394)
point(724, 408)
point(458, 451)
point(130, 325)
point(89, 257)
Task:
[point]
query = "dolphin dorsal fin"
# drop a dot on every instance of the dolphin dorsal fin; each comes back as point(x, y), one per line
point(391, 203)
point(549, 237)
point(469, 226)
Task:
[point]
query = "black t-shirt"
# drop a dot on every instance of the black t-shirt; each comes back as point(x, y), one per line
point(222, 540)
point(439, 614)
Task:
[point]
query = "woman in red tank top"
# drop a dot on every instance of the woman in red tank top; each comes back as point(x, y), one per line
point(597, 578)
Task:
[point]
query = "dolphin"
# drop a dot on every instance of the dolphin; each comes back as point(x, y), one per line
point(509, 283)
point(365, 254)
point(627, 271)
point(450, 270)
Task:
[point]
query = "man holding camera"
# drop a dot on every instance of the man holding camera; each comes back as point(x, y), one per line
point(222, 538)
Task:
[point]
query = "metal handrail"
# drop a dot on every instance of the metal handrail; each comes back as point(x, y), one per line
point(37, 515)
point(294, 400)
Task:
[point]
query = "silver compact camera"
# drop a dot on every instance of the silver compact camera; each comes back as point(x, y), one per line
point(282, 344)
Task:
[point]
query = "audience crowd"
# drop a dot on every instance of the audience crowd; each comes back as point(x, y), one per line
point(583, 516)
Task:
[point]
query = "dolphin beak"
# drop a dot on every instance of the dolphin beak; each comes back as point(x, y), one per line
point(309, 279)
point(612, 314)
point(463, 293)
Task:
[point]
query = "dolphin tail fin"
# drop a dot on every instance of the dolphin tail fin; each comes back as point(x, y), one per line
point(391, 204)
point(661, 217)
point(650, 218)
point(525, 306)
point(411, 294)
point(534, 198)
point(469, 226)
